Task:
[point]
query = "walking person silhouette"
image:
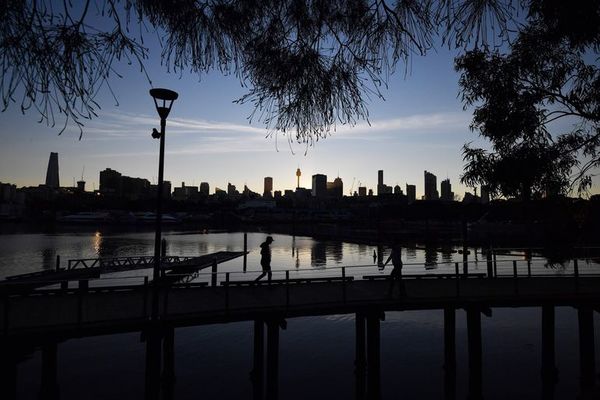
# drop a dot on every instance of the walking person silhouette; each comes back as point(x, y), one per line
point(396, 274)
point(265, 258)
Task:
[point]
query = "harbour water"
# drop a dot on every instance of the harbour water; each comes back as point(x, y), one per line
point(316, 353)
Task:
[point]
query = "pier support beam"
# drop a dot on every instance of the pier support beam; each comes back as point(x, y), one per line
point(153, 361)
point(257, 374)
point(587, 350)
point(168, 373)
point(273, 358)
point(374, 356)
point(8, 370)
point(450, 353)
point(49, 387)
point(549, 370)
point(360, 361)
point(475, 354)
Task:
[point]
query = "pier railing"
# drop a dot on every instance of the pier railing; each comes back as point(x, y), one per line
point(493, 268)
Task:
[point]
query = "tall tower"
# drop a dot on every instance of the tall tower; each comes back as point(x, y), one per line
point(380, 182)
point(268, 187)
point(52, 172)
point(431, 192)
point(298, 174)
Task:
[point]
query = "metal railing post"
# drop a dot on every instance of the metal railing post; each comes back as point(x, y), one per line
point(344, 284)
point(575, 268)
point(515, 269)
point(287, 288)
point(213, 278)
point(57, 263)
point(457, 278)
point(227, 291)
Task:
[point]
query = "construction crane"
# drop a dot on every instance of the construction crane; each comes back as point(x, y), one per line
point(352, 187)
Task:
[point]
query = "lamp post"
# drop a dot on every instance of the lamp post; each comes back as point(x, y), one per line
point(163, 100)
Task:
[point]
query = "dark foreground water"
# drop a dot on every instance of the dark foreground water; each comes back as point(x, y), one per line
point(316, 353)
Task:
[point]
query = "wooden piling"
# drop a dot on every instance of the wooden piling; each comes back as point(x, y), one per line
point(475, 353)
point(272, 359)
point(257, 374)
point(587, 351)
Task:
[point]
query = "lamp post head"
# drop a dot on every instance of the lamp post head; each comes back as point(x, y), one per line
point(163, 100)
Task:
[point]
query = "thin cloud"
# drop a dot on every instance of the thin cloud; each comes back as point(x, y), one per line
point(411, 123)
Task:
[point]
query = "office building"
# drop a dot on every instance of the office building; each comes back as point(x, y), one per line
point(381, 187)
point(362, 191)
point(431, 192)
point(319, 185)
point(268, 187)
point(204, 188)
point(447, 194)
point(185, 192)
point(52, 180)
point(231, 190)
point(335, 189)
point(80, 186)
point(135, 188)
point(398, 190)
point(411, 193)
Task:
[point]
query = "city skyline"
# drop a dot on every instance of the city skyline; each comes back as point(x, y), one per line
point(269, 187)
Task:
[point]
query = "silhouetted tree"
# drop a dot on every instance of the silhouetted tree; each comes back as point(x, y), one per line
point(309, 64)
point(550, 73)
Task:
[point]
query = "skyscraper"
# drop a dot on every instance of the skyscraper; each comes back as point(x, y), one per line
point(204, 188)
point(336, 188)
point(268, 187)
point(431, 192)
point(411, 193)
point(52, 180)
point(447, 194)
point(319, 185)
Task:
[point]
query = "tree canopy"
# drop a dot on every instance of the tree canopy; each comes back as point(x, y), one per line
point(549, 75)
point(308, 64)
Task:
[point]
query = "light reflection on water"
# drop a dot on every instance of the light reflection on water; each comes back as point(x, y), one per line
point(22, 253)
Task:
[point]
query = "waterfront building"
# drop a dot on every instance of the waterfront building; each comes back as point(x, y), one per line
point(185, 192)
point(319, 185)
point(110, 182)
point(135, 188)
point(431, 192)
point(411, 193)
point(52, 179)
point(362, 191)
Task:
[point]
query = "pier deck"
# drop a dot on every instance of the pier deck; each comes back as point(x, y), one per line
point(128, 308)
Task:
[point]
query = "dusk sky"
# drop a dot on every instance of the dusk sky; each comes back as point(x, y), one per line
point(419, 126)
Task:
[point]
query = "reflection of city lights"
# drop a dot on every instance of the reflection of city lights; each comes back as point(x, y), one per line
point(97, 242)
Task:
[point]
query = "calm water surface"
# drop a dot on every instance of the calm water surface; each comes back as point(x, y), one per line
point(316, 353)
